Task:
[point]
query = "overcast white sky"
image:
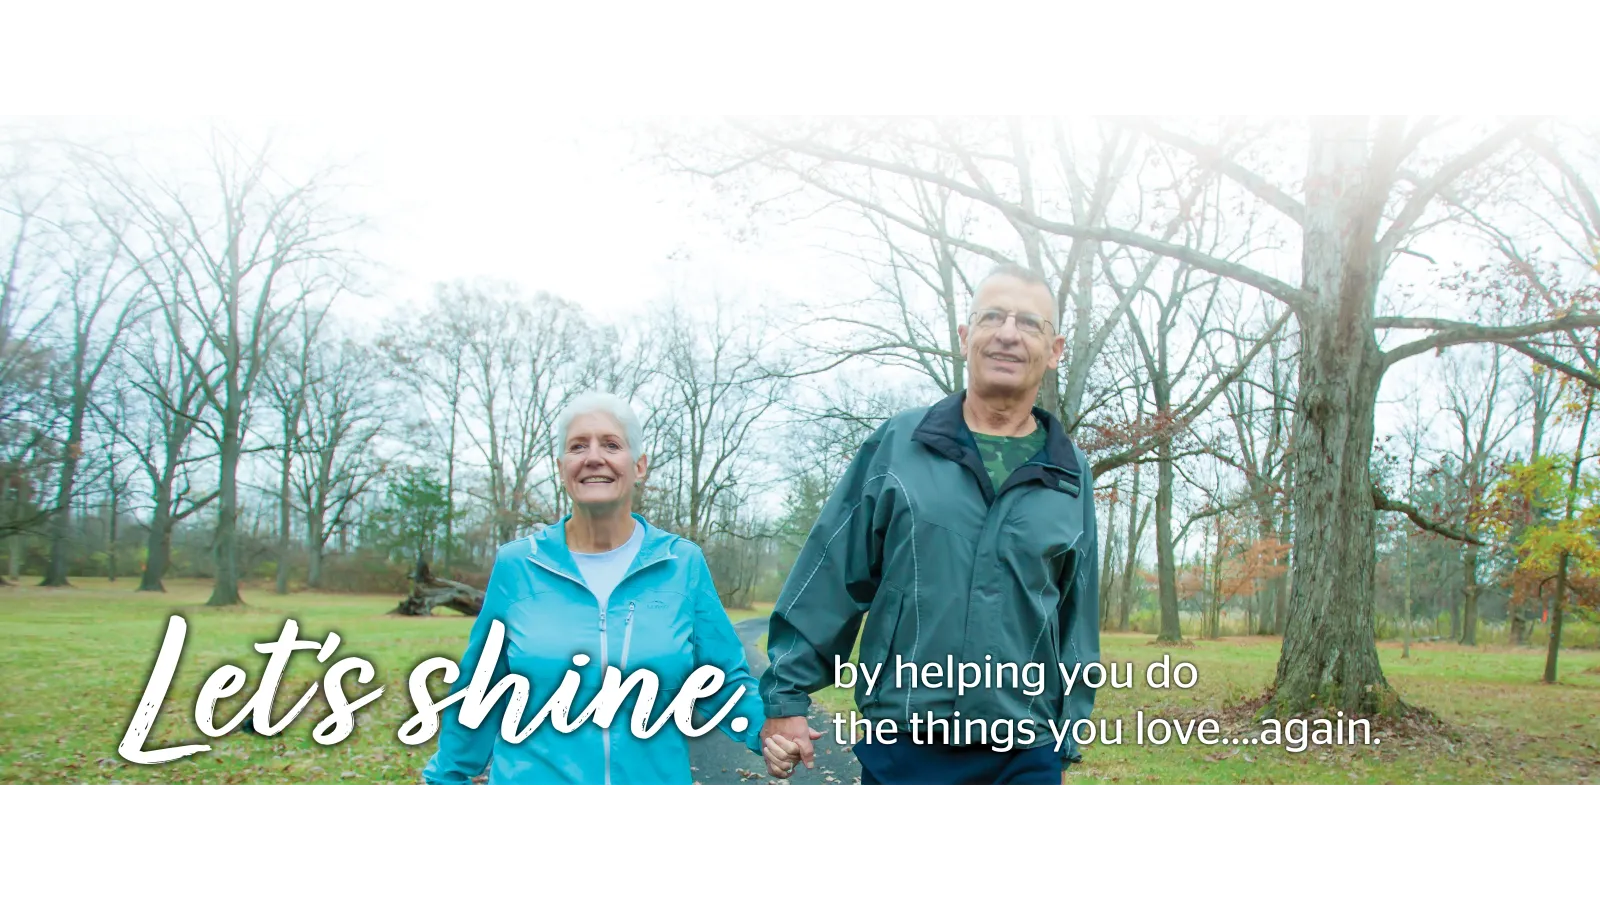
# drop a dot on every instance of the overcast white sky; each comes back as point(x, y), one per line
point(468, 124)
point(566, 205)
point(465, 121)
point(571, 205)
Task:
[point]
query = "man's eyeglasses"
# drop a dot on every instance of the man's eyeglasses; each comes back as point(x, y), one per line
point(1028, 323)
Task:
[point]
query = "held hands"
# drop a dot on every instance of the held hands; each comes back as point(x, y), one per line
point(785, 742)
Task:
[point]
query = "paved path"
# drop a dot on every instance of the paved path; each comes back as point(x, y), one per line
point(718, 760)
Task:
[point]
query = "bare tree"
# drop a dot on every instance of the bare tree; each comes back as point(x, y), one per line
point(902, 213)
point(1563, 567)
point(115, 411)
point(243, 253)
point(1542, 392)
point(1192, 299)
point(521, 354)
point(288, 382)
point(1259, 406)
point(423, 355)
point(1471, 404)
point(160, 437)
point(100, 297)
point(714, 374)
point(1367, 189)
point(27, 404)
point(337, 464)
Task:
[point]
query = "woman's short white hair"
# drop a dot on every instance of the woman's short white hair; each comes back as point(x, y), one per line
point(610, 404)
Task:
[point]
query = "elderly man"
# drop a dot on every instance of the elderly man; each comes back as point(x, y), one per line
point(964, 533)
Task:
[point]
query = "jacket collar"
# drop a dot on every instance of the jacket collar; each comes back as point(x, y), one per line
point(944, 429)
point(549, 548)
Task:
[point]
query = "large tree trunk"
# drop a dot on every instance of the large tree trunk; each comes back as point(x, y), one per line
point(1135, 531)
point(158, 548)
point(14, 542)
point(1330, 655)
point(56, 571)
point(158, 554)
point(282, 586)
point(314, 542)
point(1329, 652)
point(1553, 649)
point(1271, 593)
point(450, 497)
point(111, 539)
point(1215, 582)
point(225, 591)
point(1405, 651)
point(1108, 585)
point(1273, 596)
point(1281, 624)
point(1469, 596)
point(1166, 566)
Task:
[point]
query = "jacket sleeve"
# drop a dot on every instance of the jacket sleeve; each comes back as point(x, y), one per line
point(717, 644)
point(464, 752)
point(830, 587)
point(1080, 615)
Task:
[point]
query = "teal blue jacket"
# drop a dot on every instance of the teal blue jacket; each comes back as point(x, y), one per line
point(664, 616)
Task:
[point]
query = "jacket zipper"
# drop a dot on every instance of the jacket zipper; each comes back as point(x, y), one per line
point(627, 635)
point(605, 733)
point(627, 638)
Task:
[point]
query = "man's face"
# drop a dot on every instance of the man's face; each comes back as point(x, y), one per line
point(1003, 357)
point(598, 468)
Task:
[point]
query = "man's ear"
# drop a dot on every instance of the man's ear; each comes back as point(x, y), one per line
point(1057, 347)
point(961, 332)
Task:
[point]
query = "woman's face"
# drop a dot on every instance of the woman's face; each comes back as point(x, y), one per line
point(598, 469)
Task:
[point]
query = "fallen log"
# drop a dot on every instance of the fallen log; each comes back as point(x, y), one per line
point(429, 592)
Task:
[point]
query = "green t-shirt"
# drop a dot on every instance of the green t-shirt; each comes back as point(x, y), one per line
point(1004, 455)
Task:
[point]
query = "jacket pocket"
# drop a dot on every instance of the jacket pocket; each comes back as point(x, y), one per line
point(882, 625)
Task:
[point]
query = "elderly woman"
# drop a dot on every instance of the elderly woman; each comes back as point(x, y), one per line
point(605, 584)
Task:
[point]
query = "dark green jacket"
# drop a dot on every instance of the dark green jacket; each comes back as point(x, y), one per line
point(915, 539)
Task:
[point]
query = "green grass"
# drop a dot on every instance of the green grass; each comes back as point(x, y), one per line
point(74, 661)
point(1502, 723)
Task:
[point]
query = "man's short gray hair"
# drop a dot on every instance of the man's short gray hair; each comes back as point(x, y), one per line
point(610, 404)
point(1023, 274)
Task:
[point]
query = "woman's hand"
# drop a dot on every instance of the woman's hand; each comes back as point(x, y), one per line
point(782, 754)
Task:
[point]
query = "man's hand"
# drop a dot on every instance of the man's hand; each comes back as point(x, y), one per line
point(787, 741)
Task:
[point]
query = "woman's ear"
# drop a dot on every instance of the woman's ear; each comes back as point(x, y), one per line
point(642, 467)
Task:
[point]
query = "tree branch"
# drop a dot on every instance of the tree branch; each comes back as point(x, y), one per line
point(1442, 178)
point(1295, 297)
point(1381, 501)
point(1452, 332)
point(1214, 159)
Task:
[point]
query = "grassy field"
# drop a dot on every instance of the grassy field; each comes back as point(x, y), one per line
point(74, 661)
